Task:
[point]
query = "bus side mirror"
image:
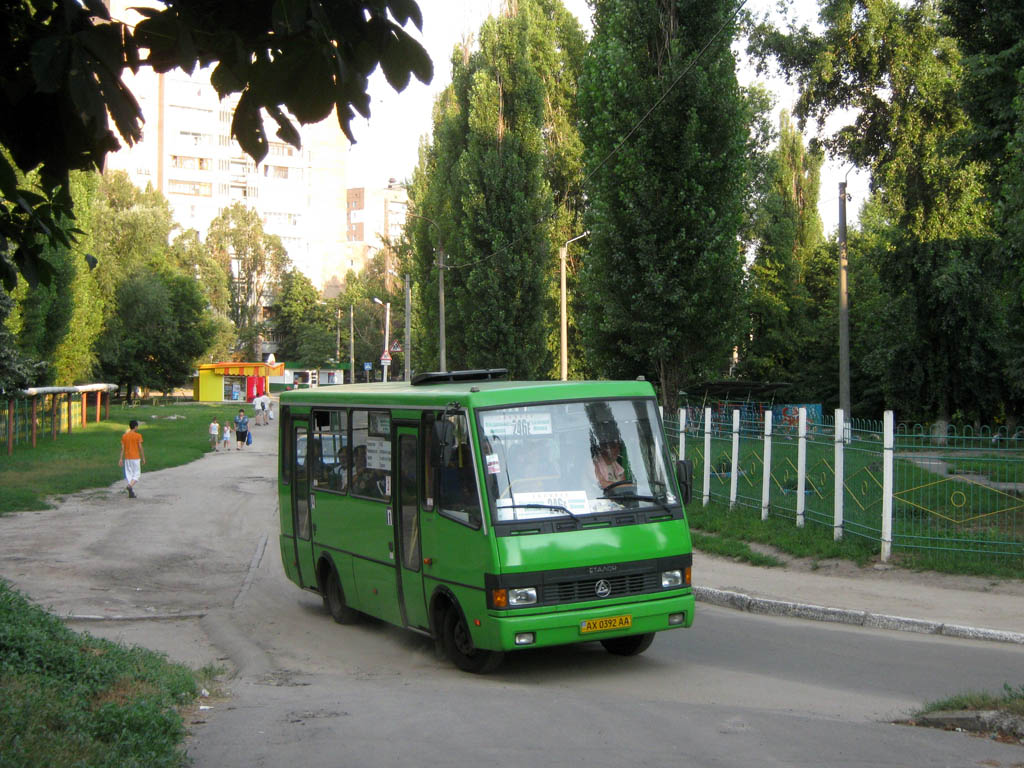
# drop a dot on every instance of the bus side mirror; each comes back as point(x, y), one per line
point(684, 473)
point(444, 443)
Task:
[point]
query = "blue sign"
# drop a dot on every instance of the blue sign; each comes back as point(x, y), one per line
point(367, 366)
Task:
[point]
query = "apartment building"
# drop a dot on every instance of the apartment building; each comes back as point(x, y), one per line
point(374, 217)
point(188, 154)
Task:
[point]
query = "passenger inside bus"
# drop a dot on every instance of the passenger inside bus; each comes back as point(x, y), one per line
point(365, 481)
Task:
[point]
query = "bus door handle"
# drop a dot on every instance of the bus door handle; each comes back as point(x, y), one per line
point(389, 517)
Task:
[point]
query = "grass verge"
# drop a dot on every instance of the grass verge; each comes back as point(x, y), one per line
point(87, 458)
point(731, 531)
point(1011, 700)
point(69, 699)
point(713, 544)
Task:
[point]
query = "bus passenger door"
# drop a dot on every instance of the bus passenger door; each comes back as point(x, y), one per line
point(302, 522)
point(410, 570)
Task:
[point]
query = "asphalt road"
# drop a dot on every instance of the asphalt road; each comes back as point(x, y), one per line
point(192, 568)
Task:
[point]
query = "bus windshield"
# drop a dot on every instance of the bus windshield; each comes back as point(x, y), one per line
point(572, 459)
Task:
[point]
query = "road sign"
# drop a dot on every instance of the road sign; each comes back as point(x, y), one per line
point(396, 346)
point(385, 359)
point(367, 366)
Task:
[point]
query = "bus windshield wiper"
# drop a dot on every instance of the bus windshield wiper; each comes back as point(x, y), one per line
point(557, 507)
point(637, 497)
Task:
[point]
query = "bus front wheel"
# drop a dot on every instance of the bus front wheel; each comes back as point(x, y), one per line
point(334, 600)
point(628, 646)
point(460, 649)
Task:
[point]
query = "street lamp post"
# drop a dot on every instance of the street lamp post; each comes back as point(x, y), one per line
point(440, 289)
point(387, 333)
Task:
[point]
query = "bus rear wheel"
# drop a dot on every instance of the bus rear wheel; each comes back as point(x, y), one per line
point(334, 600)
point(628, 646)
point(458, 644)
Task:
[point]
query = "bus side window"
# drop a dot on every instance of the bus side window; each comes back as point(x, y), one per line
point(429, 455)
point(330, 450)
point(371, 454)
point(458, 497)
point(286, 445)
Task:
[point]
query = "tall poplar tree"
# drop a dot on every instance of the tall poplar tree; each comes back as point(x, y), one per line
point(787, 231)
point(662, 281)
point(498, 185)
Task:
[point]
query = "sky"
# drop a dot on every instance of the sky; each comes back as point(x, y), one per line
point(388, 143)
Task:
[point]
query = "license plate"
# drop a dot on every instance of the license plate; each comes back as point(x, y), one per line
point(606, 624)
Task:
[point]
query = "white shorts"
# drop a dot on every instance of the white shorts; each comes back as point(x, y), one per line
point(132, 470)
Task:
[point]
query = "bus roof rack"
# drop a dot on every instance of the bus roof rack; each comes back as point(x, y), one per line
point(450, 377)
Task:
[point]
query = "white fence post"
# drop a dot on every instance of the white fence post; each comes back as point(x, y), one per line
point(801, 468)
point(840, 437)
point(766, 480)
point(707, 456)
point(682, 433)
point(887, 486)
point(734, 475)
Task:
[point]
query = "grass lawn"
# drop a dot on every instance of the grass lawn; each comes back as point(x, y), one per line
point(87, 458)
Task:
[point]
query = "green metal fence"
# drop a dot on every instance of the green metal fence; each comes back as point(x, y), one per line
point(957, 495)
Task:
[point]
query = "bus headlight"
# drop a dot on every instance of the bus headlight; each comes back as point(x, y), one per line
point(522, 596)
point(671, 579)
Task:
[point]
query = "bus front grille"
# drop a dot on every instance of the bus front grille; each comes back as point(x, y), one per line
point(586, 589)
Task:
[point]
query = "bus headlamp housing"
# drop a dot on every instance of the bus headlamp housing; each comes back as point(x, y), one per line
point(518, 596)
point(671, 579)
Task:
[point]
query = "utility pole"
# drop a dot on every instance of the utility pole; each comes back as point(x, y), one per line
point(352, 342)
point(440, 290)
point(408, 332)
point(337, 336)
point(844, 309)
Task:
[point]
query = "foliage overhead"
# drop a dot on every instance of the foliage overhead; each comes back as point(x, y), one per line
point(62, 75)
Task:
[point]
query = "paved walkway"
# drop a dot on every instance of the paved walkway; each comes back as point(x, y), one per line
point(879, 596)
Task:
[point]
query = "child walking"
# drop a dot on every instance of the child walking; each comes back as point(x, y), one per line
point(225, 438)
point(215, 434)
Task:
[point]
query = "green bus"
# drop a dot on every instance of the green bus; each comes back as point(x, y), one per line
point(491, 515)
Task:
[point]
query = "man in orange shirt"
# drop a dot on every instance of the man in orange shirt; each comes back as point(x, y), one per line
point(132, 456)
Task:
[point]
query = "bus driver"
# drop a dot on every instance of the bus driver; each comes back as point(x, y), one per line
point(607, 468)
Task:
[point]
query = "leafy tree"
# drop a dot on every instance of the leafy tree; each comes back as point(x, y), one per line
point(991, 36)
point(190, 255)
point(496, 186)
point(662, 280)
point(130, 229)
point(368, 318)
point(62, 71)
point(158, 332)
point(253, 262)
point(900, 72)
point(296, 302)
point(17, 370)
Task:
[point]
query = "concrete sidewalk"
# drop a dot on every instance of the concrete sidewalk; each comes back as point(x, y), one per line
point(873, 596)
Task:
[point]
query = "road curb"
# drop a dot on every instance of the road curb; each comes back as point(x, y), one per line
point(249, 659)
point(742, 602)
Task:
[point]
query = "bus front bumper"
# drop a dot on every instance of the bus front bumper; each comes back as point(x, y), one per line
point(514, 631)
